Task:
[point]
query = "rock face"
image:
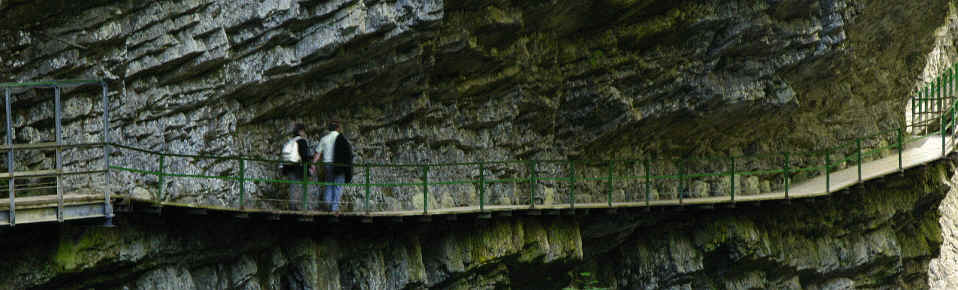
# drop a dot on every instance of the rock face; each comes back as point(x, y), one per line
point(430, 81)
point(433, 81)
point(882, 237)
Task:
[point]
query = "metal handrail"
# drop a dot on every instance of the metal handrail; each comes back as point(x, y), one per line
point(929, 108)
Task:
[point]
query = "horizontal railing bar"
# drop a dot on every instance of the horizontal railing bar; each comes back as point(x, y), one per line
point(47, 145)
point(60, 83)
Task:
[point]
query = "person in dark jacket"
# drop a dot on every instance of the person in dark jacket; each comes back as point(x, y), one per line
point(337, 155)
point(295, 155)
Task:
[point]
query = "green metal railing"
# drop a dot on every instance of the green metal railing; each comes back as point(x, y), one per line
point(568, 183)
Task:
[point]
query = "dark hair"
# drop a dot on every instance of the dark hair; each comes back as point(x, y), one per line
point(332, 126)
point(298, 127)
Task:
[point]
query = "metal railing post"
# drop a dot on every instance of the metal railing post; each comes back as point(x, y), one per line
point(914, 111)
point(732, 177)
point(425, 189)
point(107, 150)
point(162, 177)
point(901, 147)
point(58, 117)
point(681, 179)
point(482, 188)
point(572, 189)
point(368, 189)
point(304, 181)
point(828, 175)
point(10, 182)
point(533, 180)
point(928, 105)
point(242, 185)
point(648, 182)
point(858, 143)
point(786, 175)
point(611, 180)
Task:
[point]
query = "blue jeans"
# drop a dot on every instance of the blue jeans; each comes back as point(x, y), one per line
point(333, 192)
point(295, 189)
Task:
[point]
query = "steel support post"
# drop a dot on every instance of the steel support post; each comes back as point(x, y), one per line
point(572, 189)
point(786, 175)
point(242, 185)
point(648, 182)
point(731, 177)
point(425, 189)
point(368, 190)
point(901, 148)
point(828, 174)
point(162, 178)
point(58, 117)
point(107, 150)
point(10, 182)
point(611, 180)
point(482, 188)
point(941, 117)
point(533, 180)
point(681, 179)
point(858, 143)
point(305, 182)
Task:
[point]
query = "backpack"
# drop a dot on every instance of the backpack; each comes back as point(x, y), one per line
point(291, 150)
point(343, 154)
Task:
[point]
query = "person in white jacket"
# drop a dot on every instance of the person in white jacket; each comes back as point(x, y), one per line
point(336, 170)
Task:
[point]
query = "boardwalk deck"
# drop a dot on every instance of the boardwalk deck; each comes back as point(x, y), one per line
point(919, 154)
point(38, 209)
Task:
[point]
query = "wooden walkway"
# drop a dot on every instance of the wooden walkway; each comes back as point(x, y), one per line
point(918, 154)
point(37, 209)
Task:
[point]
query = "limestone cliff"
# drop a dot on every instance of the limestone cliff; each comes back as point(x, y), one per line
point(419, 80)
point(434, 80)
